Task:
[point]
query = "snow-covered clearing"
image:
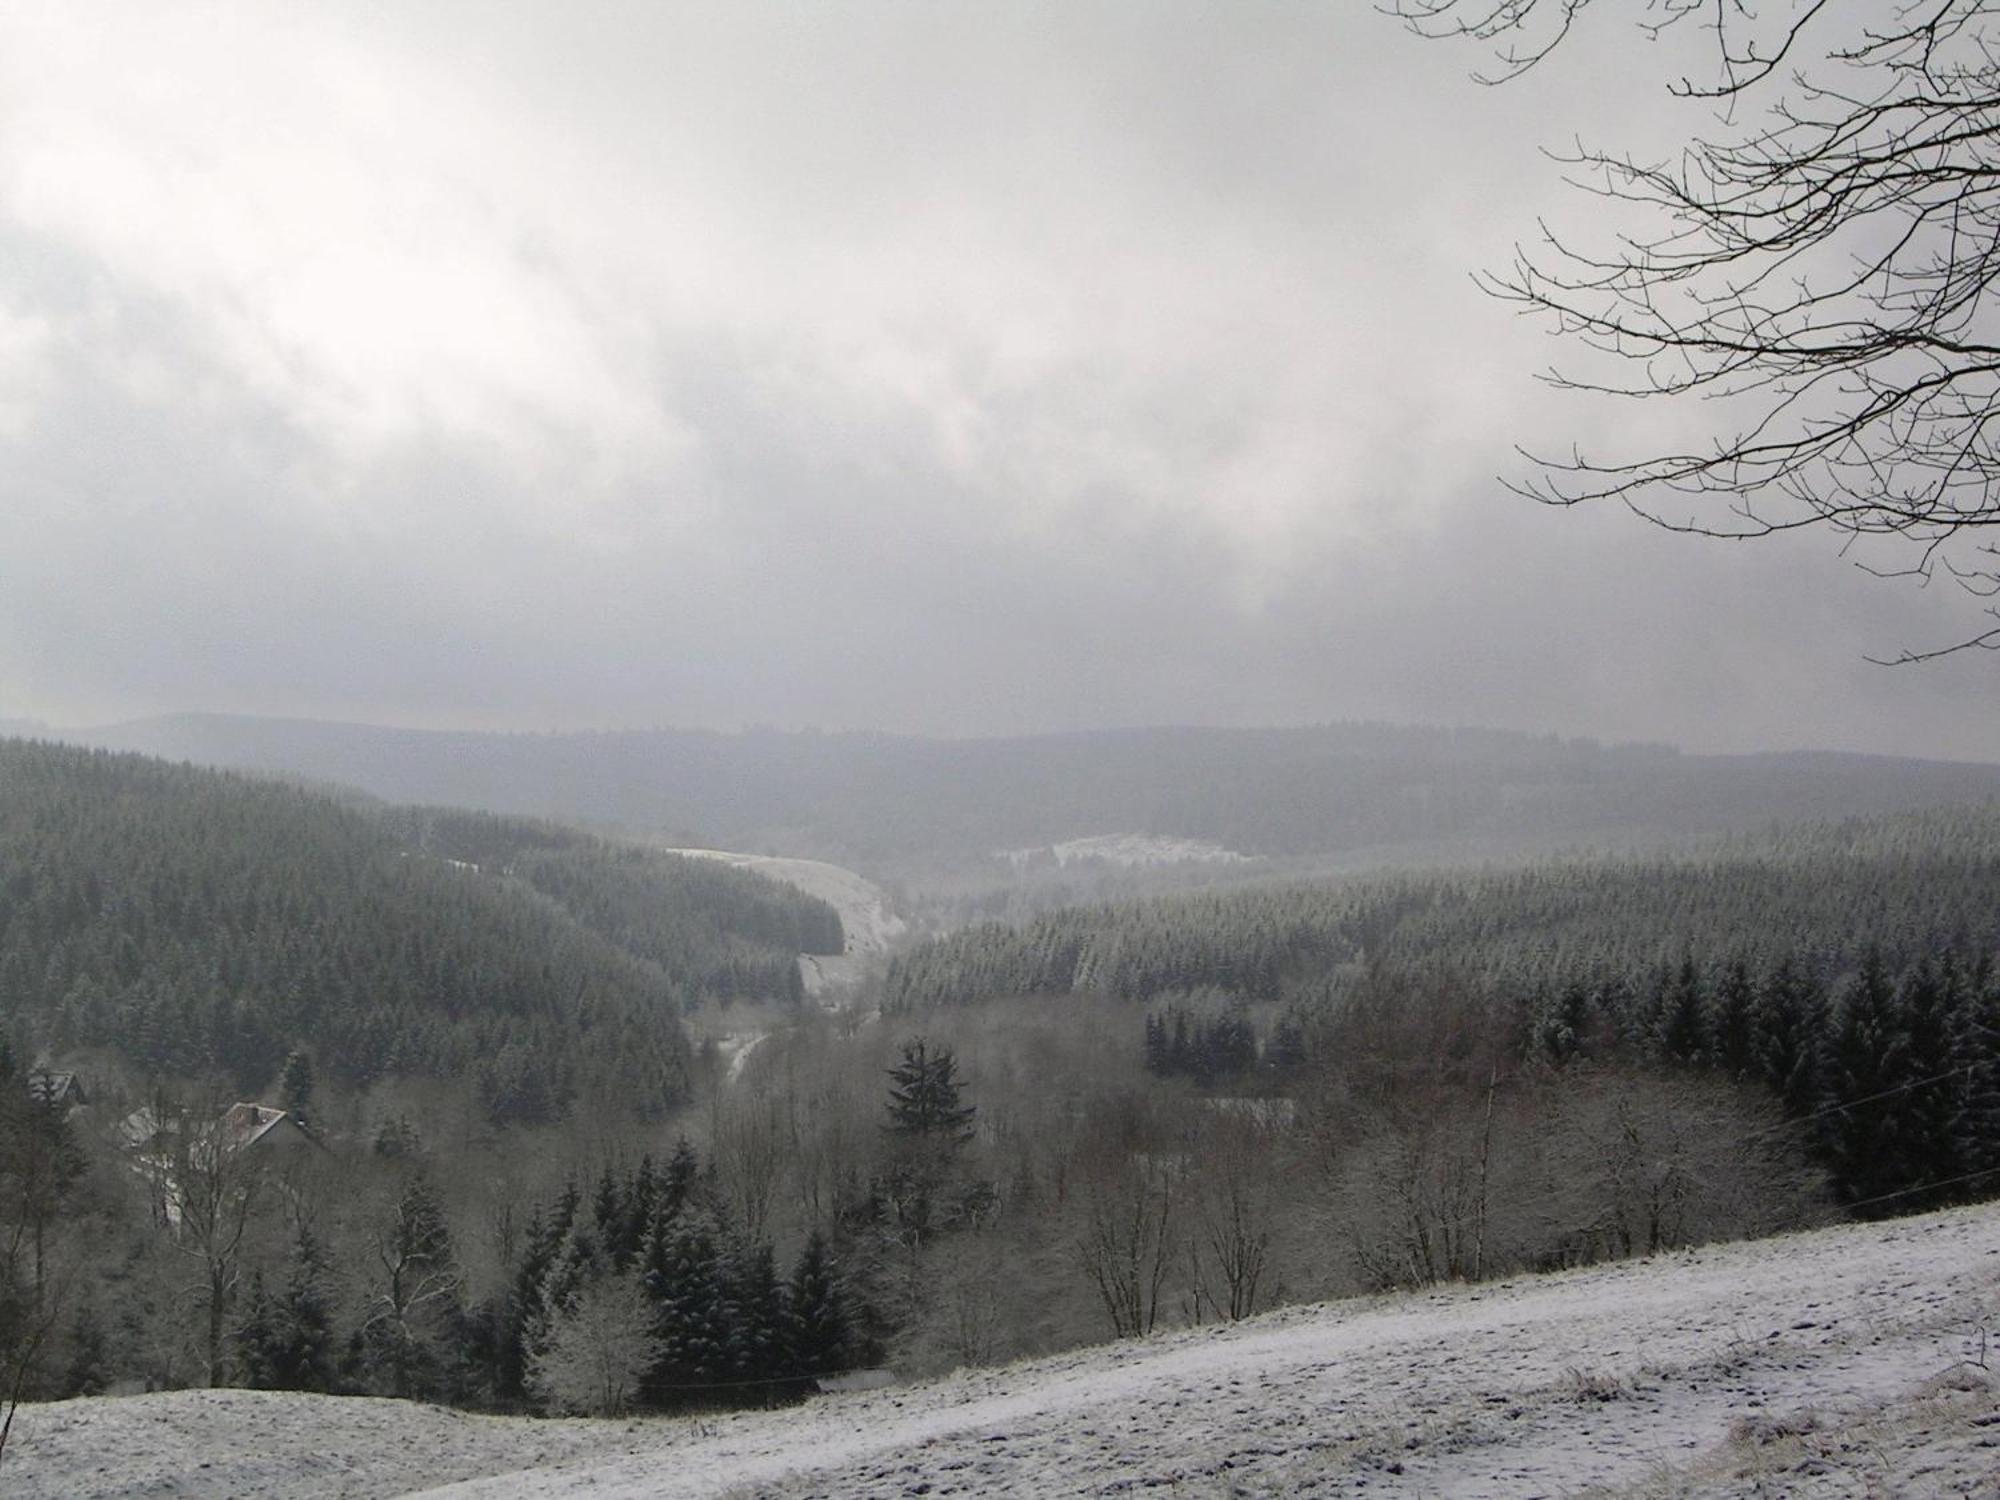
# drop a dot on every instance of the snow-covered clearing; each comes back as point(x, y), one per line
point(1130, 850)
point(1833, 1363)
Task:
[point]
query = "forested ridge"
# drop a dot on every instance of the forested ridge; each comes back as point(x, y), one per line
point(1904, 887)
point(908, 805)
point(195, 922)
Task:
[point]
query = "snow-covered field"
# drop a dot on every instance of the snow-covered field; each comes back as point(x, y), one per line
point(1130, 850)
point(1838, 1363)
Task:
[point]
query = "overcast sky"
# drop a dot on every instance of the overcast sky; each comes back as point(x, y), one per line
point(915, 366)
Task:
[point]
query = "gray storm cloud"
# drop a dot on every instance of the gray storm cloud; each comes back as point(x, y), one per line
point(923, 368)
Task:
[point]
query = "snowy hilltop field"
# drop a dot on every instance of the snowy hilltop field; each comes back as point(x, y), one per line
point(1845, 1362)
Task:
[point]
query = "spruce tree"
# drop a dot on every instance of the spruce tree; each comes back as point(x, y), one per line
point(1732, 1027)
point(817, 1324)
point(1864, 1130)
point(1932, 1112)
point(685, 1284)
point(754, 1316)
point(924, 1101)
point(295, 1084)
point(1682, 1016)
point(1980, 1047)
point(1788, 1033)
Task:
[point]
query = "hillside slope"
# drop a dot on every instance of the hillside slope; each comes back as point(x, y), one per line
point(868, 923)
point(1831, 1363)
point(192, 921)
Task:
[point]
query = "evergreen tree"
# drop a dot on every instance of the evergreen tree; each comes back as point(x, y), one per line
point(685, 1283)
point(754, 1315)
point(295, 1084)
point(1288, 1049)
point(1788, 1032)
point(1564, 1030)
point(817, 1323)
point(1932, 1112)
point(259, 1338)
point(1682, 1016)
point(682, 1181)
point(1981, 1051)
point(285, 1342)
point(1733, 1021)
point(924, 1101)
point(1864, 1130)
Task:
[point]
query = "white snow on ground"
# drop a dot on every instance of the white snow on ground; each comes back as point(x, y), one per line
point(736, 1048)
point(1132, 850)
point(869, 923)
point(1826, 1364)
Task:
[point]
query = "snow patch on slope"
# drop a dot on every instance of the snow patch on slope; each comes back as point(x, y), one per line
point(1127, 850)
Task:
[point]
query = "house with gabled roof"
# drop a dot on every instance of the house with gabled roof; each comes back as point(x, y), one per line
point(53, 1090)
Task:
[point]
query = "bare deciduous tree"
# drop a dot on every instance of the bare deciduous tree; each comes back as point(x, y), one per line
point(208, 1188)
point(1127, 1240)
point(1231, 1213)
point(1639, 1164)
point(593, 1354)
point(1819, 271)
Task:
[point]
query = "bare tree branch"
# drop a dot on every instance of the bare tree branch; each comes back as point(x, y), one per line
point(1823, 279)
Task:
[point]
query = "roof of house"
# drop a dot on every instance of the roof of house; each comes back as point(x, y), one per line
point(241, 1125)
point(246, 1124)
point(46, 1086)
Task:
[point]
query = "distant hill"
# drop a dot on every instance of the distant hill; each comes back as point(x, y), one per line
point(883, 802)
point(197, 922)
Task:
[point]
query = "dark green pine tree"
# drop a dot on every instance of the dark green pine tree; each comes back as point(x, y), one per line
point(682, 1181)
point(1788, 1032)
point(1288, 1048)
point(1980, 1047)
point(1932, 1112)
point(924, 1102)
point(258, 1337)
point(1563, 1032)
point(1180, 1049)
point(607, 1206)
point(285, 1342)
point(637, 1202)
point(754, 1315)
point(295, 1084)
point(1732, 1021)
point(1681, 1019)
point(684, 1279)
point(816, 1312)
point(308, 1355)
point(1866, 1065)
